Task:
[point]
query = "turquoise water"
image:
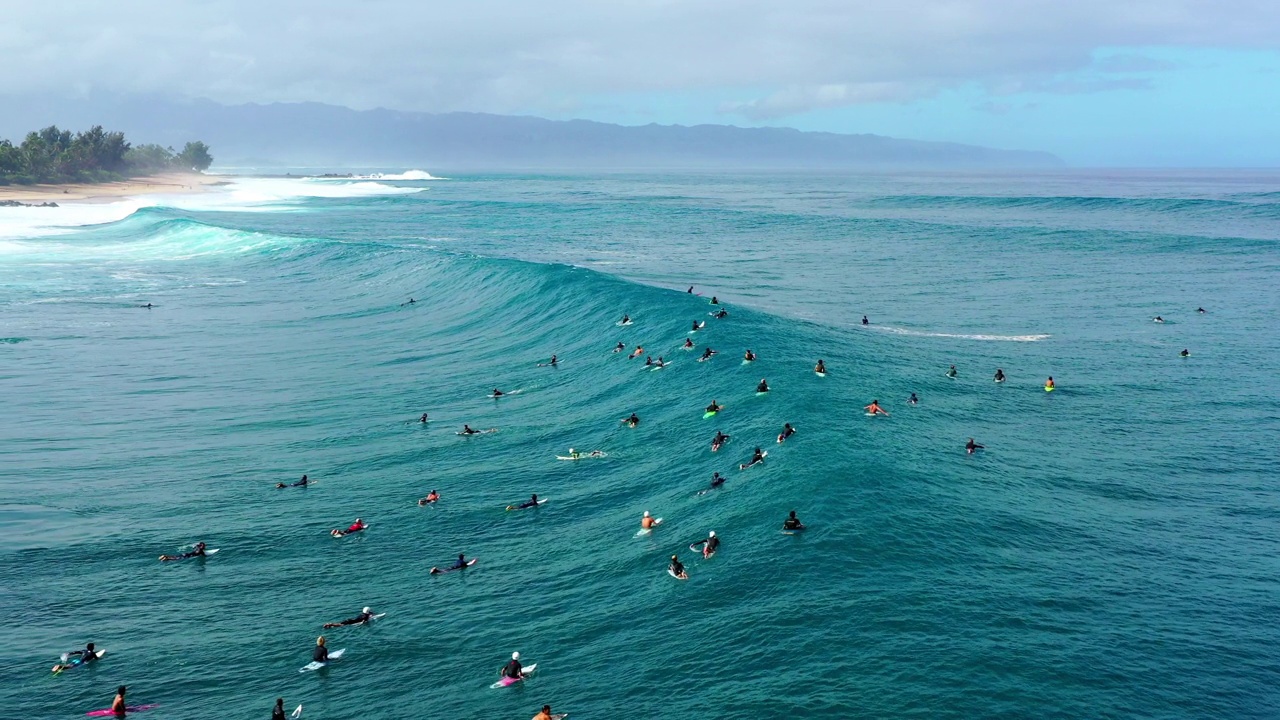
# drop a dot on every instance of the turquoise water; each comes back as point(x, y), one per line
point(1112, 552)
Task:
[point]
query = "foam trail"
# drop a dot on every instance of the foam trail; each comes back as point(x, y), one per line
point(957, 336)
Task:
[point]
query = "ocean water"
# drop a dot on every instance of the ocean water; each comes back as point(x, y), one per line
point(1114, 552)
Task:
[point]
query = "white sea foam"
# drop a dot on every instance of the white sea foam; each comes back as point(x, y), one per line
point(958, 336)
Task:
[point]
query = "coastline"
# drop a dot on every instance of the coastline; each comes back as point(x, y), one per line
point(166, 183)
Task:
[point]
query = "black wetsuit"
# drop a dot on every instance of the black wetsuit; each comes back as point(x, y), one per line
point(677, 567)
point(277, 713)
point(712, 543)
point(358, 620)
point(762, 387)
point(787, 432)
point(527, 504)
point(717, 481)
point(791, 523)
point(513, 669)
point(198, 552)
point(320, 654)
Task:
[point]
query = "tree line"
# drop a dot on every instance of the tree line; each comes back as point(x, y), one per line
point(53, 155)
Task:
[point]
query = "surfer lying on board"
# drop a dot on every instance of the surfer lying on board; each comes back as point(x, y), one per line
point(721, 315)
point(77, 657)
point(688, 343)
point(619, 347)
point(792, 522)
point(787, 431)
point(750, 356)
point(763, 386)
point(300, 483)
point(197, 552)
point(706, 354)
point(467, 430)
point(430, 498)
point(647, 522)
point(820, 368)
point(971, 446)
point(365, 616)
point(513, 669)
point(636, 353)
point(632, 421)
point(355, 527)
point(718, 440)
point(460, 564)
point(756, 457)
point(532, 502)
point(1200, 310)
point(875, 409)
point(677, 568)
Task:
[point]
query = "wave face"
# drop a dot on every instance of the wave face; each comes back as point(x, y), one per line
point(1114, 535)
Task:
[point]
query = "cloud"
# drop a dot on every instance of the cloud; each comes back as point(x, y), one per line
point(1132, 64)
point(519, 56)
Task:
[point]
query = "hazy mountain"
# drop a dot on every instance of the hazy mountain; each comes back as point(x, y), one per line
point(314, 134)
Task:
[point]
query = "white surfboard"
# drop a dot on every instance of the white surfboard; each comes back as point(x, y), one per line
point(648, 530)
point(335, 655)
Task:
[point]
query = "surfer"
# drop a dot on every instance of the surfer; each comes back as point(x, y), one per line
point(197, 552)
point(647, 522)
point(300, 483)
point(715, 300)
point(1200, 310)
point(545, 713)
point(147, 306)
point(913, 399)
point(787, 431)
point(820, 368)
point(971, 446)
point(431, 497)
point(365, 616)
point(355, 527)
point(77, 657)
point(875, 409)
point(710, 545)
point(513, 669)
point(696, 326)
point(467, 430)
point(951, 373)
point(626, 319)
point(117, 705)
point(661, 363)
point(1048, 384)
point(721, 315)
point(999, 375)
point(750, 356)
point(497, 393)
point(321, 653)
point(688, 343)
point(1185, 353)
point(865, 321)
point(411, 301)
point(636, 353)
point(690, 290)
point(531, 502)
point(717, 479)
point(763, 387)
point(756, 457)
point(620, 347)
point(423, 419)
point(552, 362)
point(632, 421)
point(648, 361)
point(718, 440)
point(1157, 319)
point(677, 568)
point(792, 522)
point(706, 354)
point(277, 713)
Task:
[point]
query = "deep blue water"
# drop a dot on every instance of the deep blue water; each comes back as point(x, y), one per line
point(1112, 553)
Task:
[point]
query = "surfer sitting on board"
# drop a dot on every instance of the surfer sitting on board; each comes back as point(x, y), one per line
point(321, 653)
point(709, 545)
point(356, 526)
point(647, 522)
point(636, 353)
point(999, 375)
point(661, 362)
point(632, 421)
point(763, 386)
point(117, 706)
point(875, 409)
point(77, 657)
point(716, 480)
point(423, 419)
point(513, 669)
point(787, 431)
point(1048, 384)
point(820, 368)
point(971, 446)
point(688, 343)
point(715, 300)
point(365, 616)
point(677, 568)
point(792, 522)
point(552, 362)
point(913, 399)
point(1185, 353)
point(951, 372)
point(714, 407)
point(545, 713)
point(300, 483)
point(749, 357)
point(696, 326)
point(706, 354)
point(756, 457)
point(497, 393)
point(625, 319)
point(619, 347)
point(648, 361)
point(430, 498)
point(721, 315)
point(277, 713)
point(718, 440)
point(865, 321)
point(197, 552)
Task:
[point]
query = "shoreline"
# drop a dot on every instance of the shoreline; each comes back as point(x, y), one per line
point(159, 184)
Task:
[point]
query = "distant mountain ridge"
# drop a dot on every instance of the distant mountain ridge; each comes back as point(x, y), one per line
point(315, 134)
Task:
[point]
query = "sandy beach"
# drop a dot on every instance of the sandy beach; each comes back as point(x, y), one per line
point(167, 183)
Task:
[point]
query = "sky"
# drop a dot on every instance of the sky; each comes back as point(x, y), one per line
point(1148, 83)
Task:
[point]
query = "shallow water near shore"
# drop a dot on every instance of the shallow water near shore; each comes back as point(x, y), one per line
point(1112, 552)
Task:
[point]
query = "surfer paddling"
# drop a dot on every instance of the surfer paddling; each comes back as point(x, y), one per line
point(971, 446)
point(77, 657)
point(300, 483)
point(531, 502)
point(365, 616)
point(460, 564)
point(719, 440)
point(706, 354)
point(354, 527)
point(632, 421)
point(197, 552)
point(756, 457)
point(636, 353)
point(431, 497)
point(787, 431)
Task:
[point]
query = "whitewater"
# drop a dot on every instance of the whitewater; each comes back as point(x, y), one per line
point(1111, 553)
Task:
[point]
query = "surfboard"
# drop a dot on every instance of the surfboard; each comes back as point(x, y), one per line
point(711, 413)
point(949, 377)
point(747, 362)
point(438, 571)
point(1048, 389)
point(672, 574)
point(763, 455)
point(297, 712)
point(525, 672)
point(762, 392)
point(819, 374)
point(701, 324)
point(659, 367)
point(623, 324)
point(335, 655)
point(129, 708)
point(704, 359)
point(541, 501)
point(583, 456)
point(649, 530)
point(491, 396)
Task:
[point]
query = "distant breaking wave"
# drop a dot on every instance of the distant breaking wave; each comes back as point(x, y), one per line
point(406, 175)
point(958, 336)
